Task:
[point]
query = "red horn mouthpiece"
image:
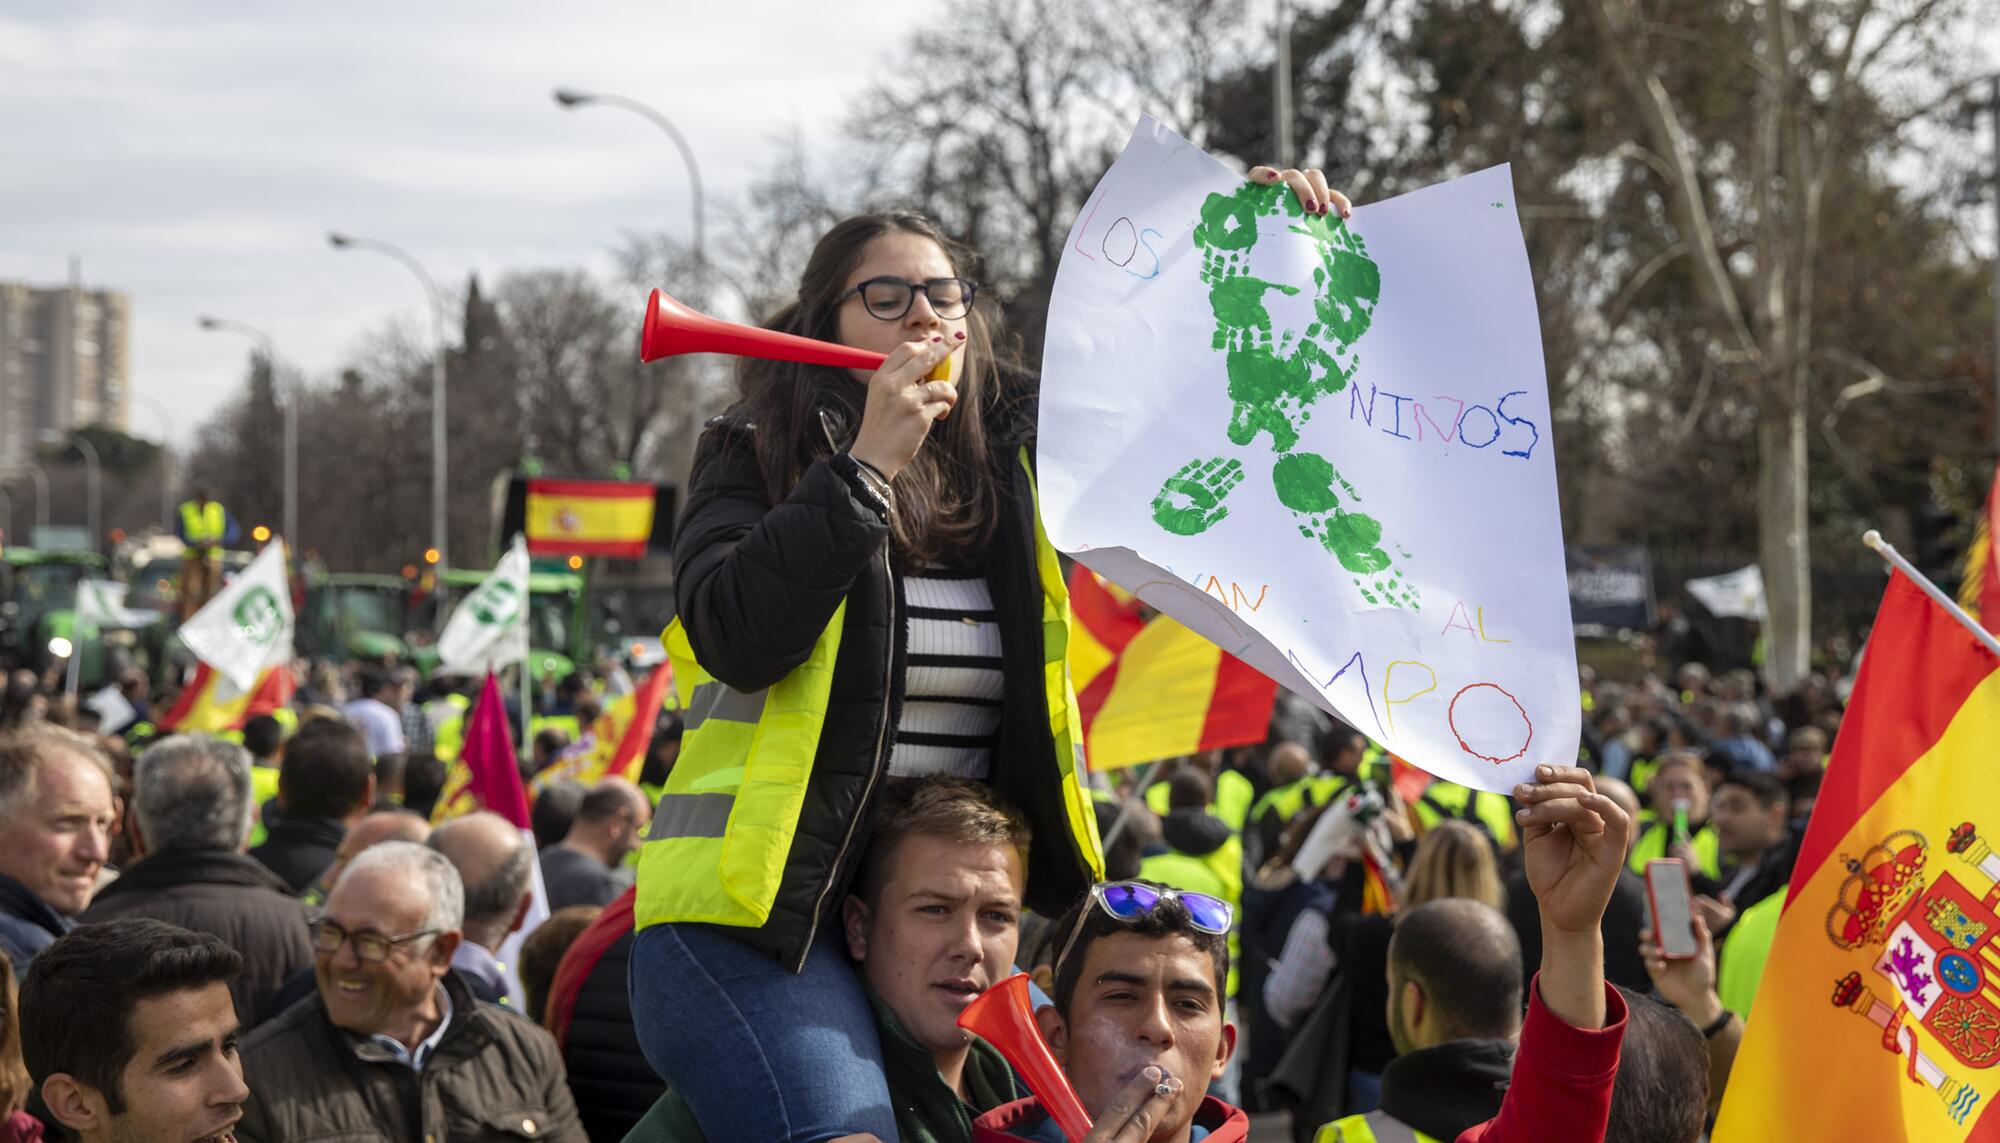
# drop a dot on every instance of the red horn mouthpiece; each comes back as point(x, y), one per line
point(1002, 1017)
point(673, 329)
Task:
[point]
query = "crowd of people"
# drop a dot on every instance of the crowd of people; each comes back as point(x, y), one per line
point(873, 809)
point(344, 974)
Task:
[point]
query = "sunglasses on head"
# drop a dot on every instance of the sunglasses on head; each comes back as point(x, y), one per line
point(1129, 902)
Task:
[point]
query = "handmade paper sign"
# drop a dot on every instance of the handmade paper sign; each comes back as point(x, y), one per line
point(1323, 445)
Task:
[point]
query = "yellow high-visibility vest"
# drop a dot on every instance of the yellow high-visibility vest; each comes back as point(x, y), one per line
point(1374, 1127)
point(204, 525)
point(726, 818)
point(1442, 799)
point(1652, 846)
point(1233, 795)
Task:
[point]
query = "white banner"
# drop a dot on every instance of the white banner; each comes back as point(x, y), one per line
point(1732, 595)
point(1323, 445)
point(247, 626)
point(489, 630)
point(100, 603)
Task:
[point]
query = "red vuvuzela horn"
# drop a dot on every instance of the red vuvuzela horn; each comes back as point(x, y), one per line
point(1002, 1017)
point(672, 329)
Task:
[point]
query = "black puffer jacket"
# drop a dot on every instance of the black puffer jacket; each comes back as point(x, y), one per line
point(756, 585)
point(613, 1084)
point(225, 895)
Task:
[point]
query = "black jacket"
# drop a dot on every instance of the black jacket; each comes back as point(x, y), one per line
point(27, 924)
point(225, 895)
point(1624, 916)
point(613, 1084)
point(1444, 1089)
point(756, 585)
point(299, 849)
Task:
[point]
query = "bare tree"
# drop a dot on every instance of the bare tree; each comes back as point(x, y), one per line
point(1745, 193)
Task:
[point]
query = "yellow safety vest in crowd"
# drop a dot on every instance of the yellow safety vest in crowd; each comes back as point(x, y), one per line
point(1442, 799)
point(1641, 774)
point(1744, 951)
point(449, 737)
point(567, 723)
point(204, 525)
point(725, 824)
point(263, 787)
point(1233, 795)
point(1374, 1127)
point(1652, 846)
point(1287, 799)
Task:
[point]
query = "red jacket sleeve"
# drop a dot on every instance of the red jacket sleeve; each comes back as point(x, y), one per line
point(1562, 1078)
point(584, 953)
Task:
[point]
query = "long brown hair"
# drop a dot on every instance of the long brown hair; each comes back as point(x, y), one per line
point(947, 499)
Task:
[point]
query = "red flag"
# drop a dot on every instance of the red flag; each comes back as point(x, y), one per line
point(486, 775)
point(630, 758)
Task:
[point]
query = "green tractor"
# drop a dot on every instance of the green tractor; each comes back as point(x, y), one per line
point(38, 607)
point(558, 636)
point(354, 615)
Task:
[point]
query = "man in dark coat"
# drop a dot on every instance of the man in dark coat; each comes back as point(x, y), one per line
point(325, 785)
point(189, 816)
point(56, 816)
point(393, 1045)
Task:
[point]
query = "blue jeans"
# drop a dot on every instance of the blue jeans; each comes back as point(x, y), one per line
point(756, 1052)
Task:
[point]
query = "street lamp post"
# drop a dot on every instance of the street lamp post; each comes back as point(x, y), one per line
point(341, 241)
point(166, 455)
point(41, 483)
point(570, 99)
point(270, 352)
point(93, 474)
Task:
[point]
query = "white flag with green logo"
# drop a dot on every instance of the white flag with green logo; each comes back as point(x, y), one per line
point(100, 604)
point(489, 630)
point(247, 627)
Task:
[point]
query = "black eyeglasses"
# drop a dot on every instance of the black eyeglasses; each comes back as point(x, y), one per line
point(372, 947)
point(888, 299)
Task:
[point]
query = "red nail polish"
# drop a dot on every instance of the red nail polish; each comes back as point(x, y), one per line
point(960, 335)
point(937, 339)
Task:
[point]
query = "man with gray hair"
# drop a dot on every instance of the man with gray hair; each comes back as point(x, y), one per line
point(497, 866)
point(188, 823)
point(57, 812)
point(393, 1045)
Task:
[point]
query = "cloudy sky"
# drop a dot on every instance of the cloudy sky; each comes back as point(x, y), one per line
point(195, 155)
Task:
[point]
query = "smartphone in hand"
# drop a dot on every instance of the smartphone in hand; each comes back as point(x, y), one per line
point(1671, 902)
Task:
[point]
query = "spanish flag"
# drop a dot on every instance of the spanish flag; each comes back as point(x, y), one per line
point(615, 745)
point(589, 518)
point(1149, 688)
point(1878, 1017)
point(210, 703)
point(1979, 587)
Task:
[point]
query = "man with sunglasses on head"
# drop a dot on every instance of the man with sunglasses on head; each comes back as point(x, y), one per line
point(1138, 1022)
point(393, 1045)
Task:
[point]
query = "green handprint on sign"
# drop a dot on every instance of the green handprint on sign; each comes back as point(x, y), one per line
point(1277, 376)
